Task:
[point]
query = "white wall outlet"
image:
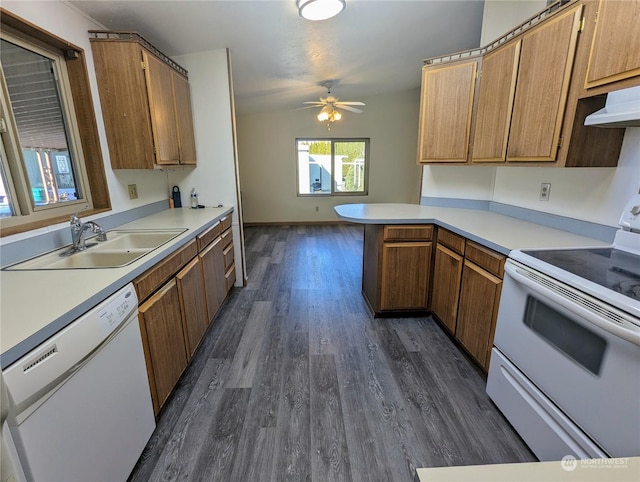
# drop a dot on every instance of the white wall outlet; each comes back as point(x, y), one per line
point(133, 191)
point(545, 191)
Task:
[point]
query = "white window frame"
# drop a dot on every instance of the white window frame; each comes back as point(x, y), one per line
point(333, 141)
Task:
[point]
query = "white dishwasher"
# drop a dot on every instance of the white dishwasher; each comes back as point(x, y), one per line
point(80, 405)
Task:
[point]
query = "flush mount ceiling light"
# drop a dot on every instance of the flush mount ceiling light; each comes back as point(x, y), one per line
point(319, 9)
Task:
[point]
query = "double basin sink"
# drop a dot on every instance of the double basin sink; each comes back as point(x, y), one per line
point(121, 248)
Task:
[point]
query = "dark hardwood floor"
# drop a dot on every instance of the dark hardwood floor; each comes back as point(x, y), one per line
point(296, 381)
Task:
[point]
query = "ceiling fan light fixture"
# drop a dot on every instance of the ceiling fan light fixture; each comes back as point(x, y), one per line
point(323, 115)
point(319, 9)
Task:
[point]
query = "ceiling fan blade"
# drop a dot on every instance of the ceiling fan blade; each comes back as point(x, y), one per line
point(308, 107)
point(350, 103)
point(350, 109)
point(314, 103)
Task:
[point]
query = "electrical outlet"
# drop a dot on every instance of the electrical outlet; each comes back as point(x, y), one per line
point(133, 191)
point(545, 191)
point(317, 208)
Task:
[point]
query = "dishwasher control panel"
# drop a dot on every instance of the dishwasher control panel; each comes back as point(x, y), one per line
point(116, 310)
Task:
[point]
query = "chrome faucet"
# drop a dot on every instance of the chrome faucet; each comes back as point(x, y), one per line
point(78, 229)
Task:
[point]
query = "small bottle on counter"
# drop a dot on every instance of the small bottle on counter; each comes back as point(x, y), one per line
point(194, 199)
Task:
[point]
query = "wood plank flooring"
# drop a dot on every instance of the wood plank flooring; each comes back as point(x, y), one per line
point(295, 381)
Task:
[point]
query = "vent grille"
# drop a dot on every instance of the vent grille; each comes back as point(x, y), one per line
point(40, 359)
point(579, 299)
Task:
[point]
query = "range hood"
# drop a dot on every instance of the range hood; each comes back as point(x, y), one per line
point(622, 109)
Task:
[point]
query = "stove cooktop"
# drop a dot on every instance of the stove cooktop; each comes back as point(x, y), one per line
point(611, 268)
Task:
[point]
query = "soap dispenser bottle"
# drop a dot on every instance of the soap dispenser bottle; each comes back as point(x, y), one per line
point(194, 199)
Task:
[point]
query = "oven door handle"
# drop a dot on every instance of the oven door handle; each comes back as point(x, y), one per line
point(580, 305)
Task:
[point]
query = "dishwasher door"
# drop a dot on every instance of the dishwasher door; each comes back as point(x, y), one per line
point(94, 420)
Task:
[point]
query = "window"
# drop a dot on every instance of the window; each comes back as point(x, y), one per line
point(50, 158)
point(331, 167)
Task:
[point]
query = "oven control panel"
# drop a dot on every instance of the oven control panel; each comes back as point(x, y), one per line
point(630, 218)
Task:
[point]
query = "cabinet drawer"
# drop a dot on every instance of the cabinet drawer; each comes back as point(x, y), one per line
point(408, 232)
point(225, 222)
point(451, 240)
point(153, 278)
point(228, 256)
point(227, 238)
point(485, 258)
point(230, 277)
point(205, 238)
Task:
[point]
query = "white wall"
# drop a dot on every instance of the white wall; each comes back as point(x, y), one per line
point(592, 194)
point(214, 178)
point(500, 16)
point(267, 157)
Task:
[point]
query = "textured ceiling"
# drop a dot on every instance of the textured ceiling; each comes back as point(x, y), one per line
point(278, 58)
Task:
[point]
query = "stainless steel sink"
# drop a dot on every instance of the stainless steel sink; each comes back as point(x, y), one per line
point(120, 249)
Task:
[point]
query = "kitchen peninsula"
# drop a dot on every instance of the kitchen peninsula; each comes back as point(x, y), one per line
point(446, 261)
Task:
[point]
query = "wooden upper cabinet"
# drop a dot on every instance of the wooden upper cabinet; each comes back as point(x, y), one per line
point(496, 91)
point(445, 111)
point(162, 108)
point(615, 49)
point(125, 107)
point(146, 103)
point(546, 60)
point(184, 118)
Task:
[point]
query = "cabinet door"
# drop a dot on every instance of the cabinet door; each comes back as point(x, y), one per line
point(615, 49)
point(546, 61)
point(445, 112)
point(163, 340)
point(125, 107)
point(447, 273)
point(184, 119)
point(213, 271)
point(193, 304)
point(477, 311)
point(495, 101)
point(162, 108)
point(406, 269)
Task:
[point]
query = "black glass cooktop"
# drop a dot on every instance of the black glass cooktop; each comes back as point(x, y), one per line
point(612, 268)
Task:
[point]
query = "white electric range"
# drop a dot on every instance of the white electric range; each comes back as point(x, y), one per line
point(565, 367)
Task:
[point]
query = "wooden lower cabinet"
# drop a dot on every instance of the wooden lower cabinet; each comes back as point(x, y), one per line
point(163, 341)
point(179, 296)
point(212, 260)
point(397, 267)
point(477, 311)
point(405, 276)
point(447, 274)
point(193, 304)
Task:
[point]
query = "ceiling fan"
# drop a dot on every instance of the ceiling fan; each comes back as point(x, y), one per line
point(331, 104)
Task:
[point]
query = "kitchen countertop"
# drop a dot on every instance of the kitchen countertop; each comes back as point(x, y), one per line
point(593, 470)
point(496, 231)
point(37, 304)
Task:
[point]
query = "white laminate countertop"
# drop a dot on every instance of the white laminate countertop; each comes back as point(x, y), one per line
point(592, 470)
point(496, 231)
point(34, 305)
